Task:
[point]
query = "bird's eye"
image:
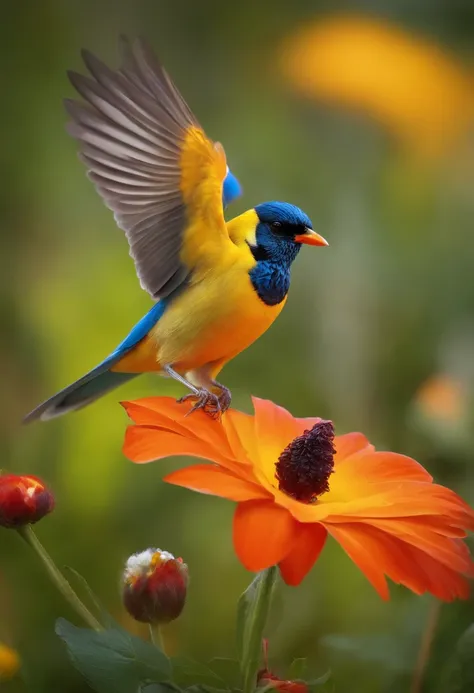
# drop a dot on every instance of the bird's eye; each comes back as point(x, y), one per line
point(276, 225)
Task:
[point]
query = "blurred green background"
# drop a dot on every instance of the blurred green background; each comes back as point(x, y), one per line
point(361, 113)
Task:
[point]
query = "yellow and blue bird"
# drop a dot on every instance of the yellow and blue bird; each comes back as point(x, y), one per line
point(217, 285)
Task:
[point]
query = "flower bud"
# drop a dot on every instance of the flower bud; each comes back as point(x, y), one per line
point(155, 586)
point(23, 500)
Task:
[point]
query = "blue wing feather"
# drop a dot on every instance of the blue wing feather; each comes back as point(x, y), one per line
point(140, 330)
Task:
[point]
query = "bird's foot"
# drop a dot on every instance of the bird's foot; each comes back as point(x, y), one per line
point(205, 400)
point(225, 397)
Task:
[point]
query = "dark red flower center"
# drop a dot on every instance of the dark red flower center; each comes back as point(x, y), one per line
point(305, 465)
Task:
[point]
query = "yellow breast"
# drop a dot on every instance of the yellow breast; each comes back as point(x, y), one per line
point(215, 317)
point(212, 320)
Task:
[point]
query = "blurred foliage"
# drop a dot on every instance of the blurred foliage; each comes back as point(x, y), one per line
point(388, 307)
point(458, 676)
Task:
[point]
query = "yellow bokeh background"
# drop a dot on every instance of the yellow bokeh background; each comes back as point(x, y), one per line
point(415, 87)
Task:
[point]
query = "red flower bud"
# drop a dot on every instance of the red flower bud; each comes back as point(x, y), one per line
point(23, 500)
point(155, 586)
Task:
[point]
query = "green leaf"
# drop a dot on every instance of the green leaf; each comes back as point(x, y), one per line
point(277, 612)
point(459, 675)
point(187, 671)
point(244, 606)
point(297, 669)
point(252, 614)
point(113, 661)
point(105, 618)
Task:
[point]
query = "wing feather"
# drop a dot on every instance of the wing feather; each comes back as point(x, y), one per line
point(150, 161)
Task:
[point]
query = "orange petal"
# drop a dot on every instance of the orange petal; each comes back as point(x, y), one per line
point(443, 582)
point(305, 549)
point(306, 424)
point(350, 444)
point(167, 413)
point(206, 478)
point(452, 553)
point(377, 553)
point(363, 556)
point(378, 467)
point(275, 427)
point(440, 524)
point(153, 411)
point(263, 534)
point(393, 500)
point(240, 430)
point(149, 443)
point(382, 484)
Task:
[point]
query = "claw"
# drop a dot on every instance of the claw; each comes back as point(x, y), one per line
point(205, 400)
point(225, 398)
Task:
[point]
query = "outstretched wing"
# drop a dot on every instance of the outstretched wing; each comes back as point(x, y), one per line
point(153, 165)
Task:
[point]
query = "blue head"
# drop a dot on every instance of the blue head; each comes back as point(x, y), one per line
point(281, 229)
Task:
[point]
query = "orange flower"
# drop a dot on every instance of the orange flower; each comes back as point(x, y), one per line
point(293, 489)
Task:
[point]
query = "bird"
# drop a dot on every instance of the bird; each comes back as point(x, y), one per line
point(217, 286)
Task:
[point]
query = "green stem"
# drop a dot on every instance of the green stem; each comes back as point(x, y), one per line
point(156, 635)
point(255, 624)
point(57, 577)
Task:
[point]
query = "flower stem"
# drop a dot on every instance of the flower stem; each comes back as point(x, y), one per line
point(425, 646)
point(156, 635)
point(255, 623)
point(57, 577)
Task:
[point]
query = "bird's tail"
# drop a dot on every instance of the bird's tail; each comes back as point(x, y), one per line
point(84, 391)
point(100, 379)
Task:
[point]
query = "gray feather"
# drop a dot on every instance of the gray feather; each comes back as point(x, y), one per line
point(84, 391)
point(131, 126)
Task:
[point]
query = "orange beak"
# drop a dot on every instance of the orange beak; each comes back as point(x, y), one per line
point(310, 237)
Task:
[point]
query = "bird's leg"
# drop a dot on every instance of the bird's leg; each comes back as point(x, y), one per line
point(205, 380)
point(205, 399)
point(225, 396)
